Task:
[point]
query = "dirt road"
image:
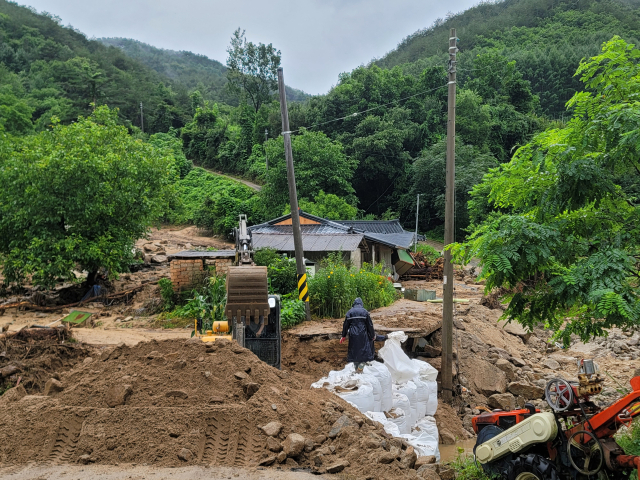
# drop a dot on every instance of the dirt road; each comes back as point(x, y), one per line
point(139, 472)
point(249, 184)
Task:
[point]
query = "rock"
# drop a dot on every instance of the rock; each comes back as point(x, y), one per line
point(177, 394)
point(14, 394)
point(250, 389)
point(446, 437)
point(486, 378)
point(185, 455)
point(507, 367)
point(154, 354)
point(52, 386)
point(514, 328)
point(338, 466)
point(240, 375)
point(408, 458)
point(527, 390)
point(118, 394)
point(281, 457)
point(428, 460)
point(87, 360)
point(150, 247)
point(386, 457)
point(291, 463)
point(518, 362)
point(428, 472)
point(159, 259)
point(503, 401)
point(309, 445)
point(447, 473)
point(86, 459)
point(320, 439)
point(274, 445)
point(293, 445)
point(265, 462)
point(272, 429)
point(339, 425)
point(551, 363)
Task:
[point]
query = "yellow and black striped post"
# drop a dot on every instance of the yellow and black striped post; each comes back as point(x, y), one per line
point(303, 291)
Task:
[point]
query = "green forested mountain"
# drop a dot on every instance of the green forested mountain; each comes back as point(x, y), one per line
point(194, 71)
point(546, 38)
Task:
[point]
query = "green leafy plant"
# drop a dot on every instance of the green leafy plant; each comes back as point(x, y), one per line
point(629, 438)
point(430, 253)
point(334, 287)
point(292, 311)
point(467, 469)
point(282, 275)
point(264, 256)
point(167, 293)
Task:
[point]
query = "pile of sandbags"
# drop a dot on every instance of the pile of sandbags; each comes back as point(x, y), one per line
point(400, 393)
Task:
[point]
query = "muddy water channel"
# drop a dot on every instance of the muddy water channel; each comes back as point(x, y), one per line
point(448, 453)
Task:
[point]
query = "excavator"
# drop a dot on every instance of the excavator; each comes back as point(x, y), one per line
point(253, 316)
point(575, 440)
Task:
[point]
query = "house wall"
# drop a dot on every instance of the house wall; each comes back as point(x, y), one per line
point(356, 258)
point(383, 254)
point(187, 274)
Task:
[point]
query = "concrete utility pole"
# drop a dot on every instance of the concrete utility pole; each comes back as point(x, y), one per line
point(449, 212)
point(266, 137)
point(303, 292)
point(141, 118)
point(415, 246)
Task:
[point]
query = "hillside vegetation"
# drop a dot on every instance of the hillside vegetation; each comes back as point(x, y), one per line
point(546, 38)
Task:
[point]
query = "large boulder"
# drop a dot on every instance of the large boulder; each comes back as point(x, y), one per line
point(486, 378)
point(551, 363)
point(503, 401)
point(525, 389)
point(293, 445)
point(507, 367)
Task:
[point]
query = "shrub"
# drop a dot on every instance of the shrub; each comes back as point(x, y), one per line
point(292, 311)
point(282, 275)
point(264, 256)
point(430, 253)
point(334, 287)
point(167, 293)
point(629, 438)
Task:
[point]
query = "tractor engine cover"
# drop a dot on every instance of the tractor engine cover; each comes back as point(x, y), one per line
point(538, 428)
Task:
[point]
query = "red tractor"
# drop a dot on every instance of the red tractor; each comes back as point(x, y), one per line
point(574, 442)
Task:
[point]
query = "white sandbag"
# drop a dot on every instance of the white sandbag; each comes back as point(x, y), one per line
point(335, 377)
point(409, 389)
point(399, 364)
point(422, 397)
point(432, 403)
point(358, 393)
point(401, 402)
point(377, 389)
point(389, 427)
point(381, 372)
point(398, 417)
point(425, 438)
point(427, 372)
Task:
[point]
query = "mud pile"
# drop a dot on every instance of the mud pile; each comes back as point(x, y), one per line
point(176, 403)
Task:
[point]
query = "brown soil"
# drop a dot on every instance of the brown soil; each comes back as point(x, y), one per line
point(184, 395)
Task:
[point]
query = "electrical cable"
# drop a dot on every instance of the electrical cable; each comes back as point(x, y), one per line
point(355, 114)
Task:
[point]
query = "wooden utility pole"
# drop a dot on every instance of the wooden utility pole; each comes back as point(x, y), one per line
point(303, 292)
point(415, 245)
point(449, 212)
point(141, 118)
point(266, 159)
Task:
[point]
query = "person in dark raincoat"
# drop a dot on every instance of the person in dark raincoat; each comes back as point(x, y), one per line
point(359, 327)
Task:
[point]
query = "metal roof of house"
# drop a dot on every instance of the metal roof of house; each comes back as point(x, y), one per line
point(190, 254)
point(386, 232)
point(310, 243)
point(374, 226)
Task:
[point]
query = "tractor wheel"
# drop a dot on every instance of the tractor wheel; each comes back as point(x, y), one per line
point(533, 467)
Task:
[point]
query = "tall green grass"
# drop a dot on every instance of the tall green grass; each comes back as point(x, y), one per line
point(335, 286)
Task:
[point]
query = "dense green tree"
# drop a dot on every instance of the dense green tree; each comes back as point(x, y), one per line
point(563, 235)
point(77, 196)
point(252, 69)
point(320, 165)
point(327, 205)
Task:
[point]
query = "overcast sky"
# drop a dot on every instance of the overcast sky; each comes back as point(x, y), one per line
point(318, 39)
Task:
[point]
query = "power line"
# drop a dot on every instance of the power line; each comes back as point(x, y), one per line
point(368, 109)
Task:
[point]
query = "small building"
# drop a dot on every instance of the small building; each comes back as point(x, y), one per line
point(359, 241)
point(188, 268)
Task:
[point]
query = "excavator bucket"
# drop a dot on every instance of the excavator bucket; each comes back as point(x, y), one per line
point(247, 293)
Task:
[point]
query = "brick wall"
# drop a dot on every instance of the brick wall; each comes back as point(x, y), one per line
point(186, 274)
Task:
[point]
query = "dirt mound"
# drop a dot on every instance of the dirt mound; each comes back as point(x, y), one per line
point(31, 362)
point(173, 403)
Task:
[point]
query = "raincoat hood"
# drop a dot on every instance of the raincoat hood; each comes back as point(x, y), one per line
point(358, 303)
